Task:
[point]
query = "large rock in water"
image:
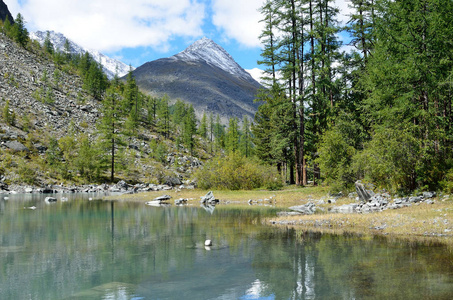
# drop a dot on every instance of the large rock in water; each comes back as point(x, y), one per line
point(363, 193)
point(209, 199)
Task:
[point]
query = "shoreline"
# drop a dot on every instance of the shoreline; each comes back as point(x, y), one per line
point(428, 222)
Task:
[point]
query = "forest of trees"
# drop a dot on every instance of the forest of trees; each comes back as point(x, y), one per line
point(381, 112)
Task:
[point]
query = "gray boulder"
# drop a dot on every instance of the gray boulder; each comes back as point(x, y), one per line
point(429, 195)
point(180, 201)
point(163, 198)
point(16, 146)
point(209, 199)
point(363, 193)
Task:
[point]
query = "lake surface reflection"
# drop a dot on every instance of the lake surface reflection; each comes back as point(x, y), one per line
point(83, 249)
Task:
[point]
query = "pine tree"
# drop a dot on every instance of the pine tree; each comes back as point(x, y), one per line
point(18, 31)
point(48, 46)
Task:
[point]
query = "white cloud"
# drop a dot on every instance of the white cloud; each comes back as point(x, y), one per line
point(257, 74)
point(345, 11)
point(108, 25)
point(239, 20)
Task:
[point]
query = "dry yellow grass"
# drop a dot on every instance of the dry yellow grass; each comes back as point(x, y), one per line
point(423, 222)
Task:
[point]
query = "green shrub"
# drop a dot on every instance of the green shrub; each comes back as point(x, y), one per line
point(235, 172)
point(390, 159)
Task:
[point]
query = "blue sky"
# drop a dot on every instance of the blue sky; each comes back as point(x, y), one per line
point(138, 31)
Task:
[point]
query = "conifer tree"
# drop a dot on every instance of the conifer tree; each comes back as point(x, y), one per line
point(190, 128)
point(18, 31)
point(48, 46)
point(163, 113)
point(232, 136)
point(204, 126)
point(246, 145)
point(111, 124)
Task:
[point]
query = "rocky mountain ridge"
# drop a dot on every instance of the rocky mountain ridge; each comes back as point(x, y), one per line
point(204, 75)
point(110, 65)
point(207, 50)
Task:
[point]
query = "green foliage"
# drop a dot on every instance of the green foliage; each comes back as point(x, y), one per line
point(111, 124)
point(204, 126)
point(337, 149)
point(190, 128)
point(17, 31)
point(245, 144)
point(235, 172)
point(48, 46)
point(8, 116)
point(390, 159)
point(158, 151)
point(163, 114)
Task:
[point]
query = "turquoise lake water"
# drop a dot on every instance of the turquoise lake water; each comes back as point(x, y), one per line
point(83, 249)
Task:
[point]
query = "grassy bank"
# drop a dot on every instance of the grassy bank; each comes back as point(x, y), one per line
point(432, 223)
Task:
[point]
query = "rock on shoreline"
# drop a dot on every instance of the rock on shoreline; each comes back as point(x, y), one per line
point(120, 187)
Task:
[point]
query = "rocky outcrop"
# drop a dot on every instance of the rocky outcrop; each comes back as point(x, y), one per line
point(380, 202)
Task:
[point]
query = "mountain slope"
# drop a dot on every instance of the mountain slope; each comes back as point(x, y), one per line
point(110, 65)
point(204, 75)
point(21, 78)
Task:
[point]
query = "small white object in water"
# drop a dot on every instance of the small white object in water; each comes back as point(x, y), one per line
point(64, 199)
point(89, 199)
point(31, 207)
point(208, 243)
point(6, 198)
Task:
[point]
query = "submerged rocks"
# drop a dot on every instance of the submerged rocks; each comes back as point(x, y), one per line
point(50, 200)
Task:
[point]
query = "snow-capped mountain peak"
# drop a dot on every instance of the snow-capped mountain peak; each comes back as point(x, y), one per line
point(110, 65)
point(207, 50)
